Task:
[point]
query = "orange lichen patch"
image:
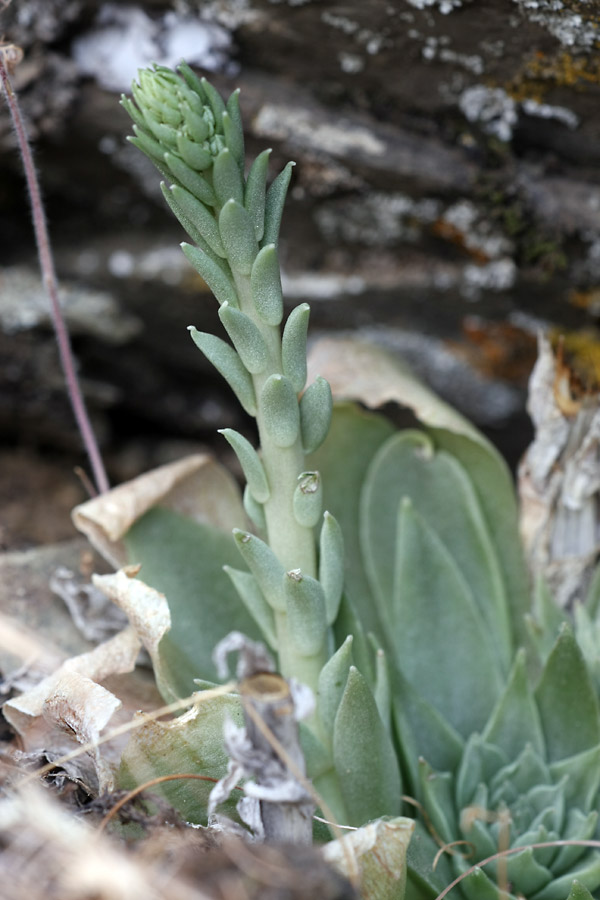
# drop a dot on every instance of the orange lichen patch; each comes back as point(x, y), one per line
point(499, 349)
point(588, 299)
point(543, 71)
point(577, 368)
point(449, 232)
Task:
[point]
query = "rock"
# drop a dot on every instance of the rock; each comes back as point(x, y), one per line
point(447, 168)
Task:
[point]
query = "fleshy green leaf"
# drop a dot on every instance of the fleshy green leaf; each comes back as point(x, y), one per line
point(353, 439)
point(254, 601)
point(307, 502)
point(265, 283)
point(382, 691)
point(423, 881)
point(237, 232)
point(264, 565)
point(486, 467)
point(197, 213)
point(579, 892)
point(184, 560)
point(227, 178)
point(246, 338)
point(305, 606)
point(316, 406)
point(254, 198)
point(332, 684)
point(440, 490)
point(588, 874)
point(193, 154)
point(233, 127)
point(583, 781)
point(438, 798)
point(515, 721)
point(369, 374)
point(423, 731)
point(191, 180)
point(279, 407)
point(454, 645)
point(229, 365)
point(274, 205)
point(293, 346)
point(579, 827)
point(219, 283)
point(214, 98)
point(331, 564)
point(348, 623)
point(543, 624)
point(365, 760)
point(188, 225)
point(255, 511)
point(567, 701)
point(192, 743)
point(250, 462)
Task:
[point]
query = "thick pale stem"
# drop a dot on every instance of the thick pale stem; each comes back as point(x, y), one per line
point(292, 543)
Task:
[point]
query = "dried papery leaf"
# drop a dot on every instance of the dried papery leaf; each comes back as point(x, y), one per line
point(360, 371)
point(146, 609)
point(197, 487)
point(70, 704)
point(559, 480)
point(379, 849)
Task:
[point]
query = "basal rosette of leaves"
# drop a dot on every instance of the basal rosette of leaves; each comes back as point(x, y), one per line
point(532, 776)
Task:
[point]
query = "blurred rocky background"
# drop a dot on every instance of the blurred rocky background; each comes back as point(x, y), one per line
point(446, 203)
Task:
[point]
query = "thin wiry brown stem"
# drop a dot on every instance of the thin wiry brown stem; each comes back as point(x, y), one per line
point(51, 286)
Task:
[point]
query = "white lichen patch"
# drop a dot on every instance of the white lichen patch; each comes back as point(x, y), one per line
point(378, 219)
point(477, 233)
point(435, 48)
point(546, 111)
point(302, 128)
point(124, 39)
point(498, 275)
point(571, 29)
point(351, 63)
point(498, 113)
point(163, 262)
point(24, 304)
point(367, 40)
point(491, 108)
point(311, 286)
point(444, 6)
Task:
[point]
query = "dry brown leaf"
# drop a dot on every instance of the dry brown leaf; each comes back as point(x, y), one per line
point(197, 486)
point(146, 609)
point(70, 704)
point(379, 851)
point(357, 370)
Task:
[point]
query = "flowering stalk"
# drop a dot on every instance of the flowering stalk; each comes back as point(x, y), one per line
point(196, 140)
point(292, 588)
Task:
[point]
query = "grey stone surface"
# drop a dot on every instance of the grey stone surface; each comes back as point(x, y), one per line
point(448, 167)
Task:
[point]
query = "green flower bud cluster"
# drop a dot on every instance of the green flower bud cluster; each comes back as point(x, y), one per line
point(179, 123)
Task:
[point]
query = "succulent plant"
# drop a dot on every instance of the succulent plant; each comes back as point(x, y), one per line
point(530, 776)
point(402, 605)
point(288, 581)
